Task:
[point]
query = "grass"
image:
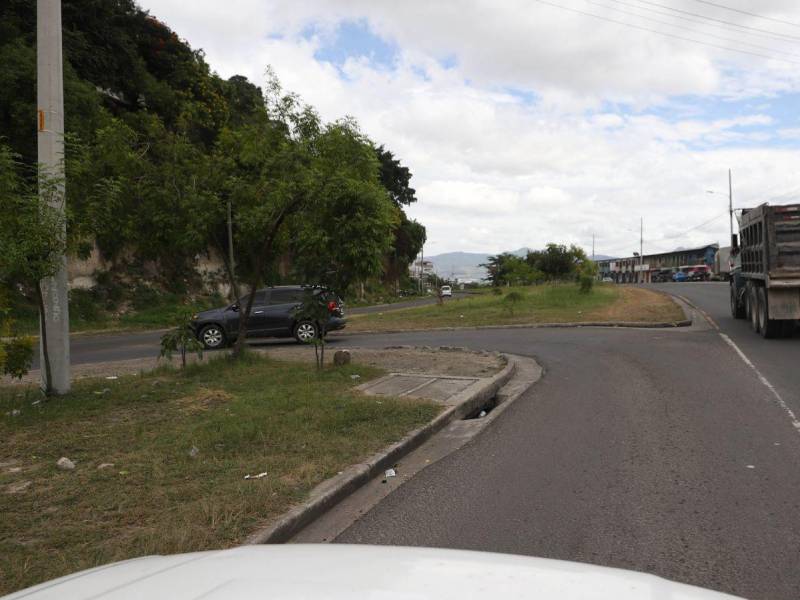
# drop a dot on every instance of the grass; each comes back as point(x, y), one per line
point(558, 303)
point(84, 316)
point(244, 418)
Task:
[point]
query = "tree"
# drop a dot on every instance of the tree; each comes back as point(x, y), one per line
point(557, 261)
point(181, 338)
point(409, 235)
point(269, 171)
point(344, 236)
point(32, 243)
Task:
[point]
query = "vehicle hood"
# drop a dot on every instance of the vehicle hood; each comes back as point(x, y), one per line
point(338, 571)
point(214, 313)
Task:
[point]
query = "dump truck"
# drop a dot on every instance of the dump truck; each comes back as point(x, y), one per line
point(765, 273)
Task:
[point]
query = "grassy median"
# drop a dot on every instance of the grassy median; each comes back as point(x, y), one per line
point(560, 303)
point(161, 458)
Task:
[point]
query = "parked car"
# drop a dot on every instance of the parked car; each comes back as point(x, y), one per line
point(680, 276)
point(446, 290)
point(608, 280)
point(274, 314)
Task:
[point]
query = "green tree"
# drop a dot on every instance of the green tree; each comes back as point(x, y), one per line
point(32, 242)
point(344, 236)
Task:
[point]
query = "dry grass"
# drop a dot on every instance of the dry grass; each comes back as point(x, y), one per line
point(138, 490)
point(561, 303)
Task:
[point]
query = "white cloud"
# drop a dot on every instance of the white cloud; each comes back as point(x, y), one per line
point(495, 172)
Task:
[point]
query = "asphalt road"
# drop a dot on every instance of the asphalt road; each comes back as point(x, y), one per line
point(655, 450)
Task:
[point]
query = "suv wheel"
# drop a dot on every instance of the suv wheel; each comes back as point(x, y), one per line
point(212, 337)
point(305, 331)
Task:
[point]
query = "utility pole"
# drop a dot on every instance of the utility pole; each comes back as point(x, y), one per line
point(593, 247)
point(730, 202)
point(641, 249)
point(50, 140)
point(230, 238)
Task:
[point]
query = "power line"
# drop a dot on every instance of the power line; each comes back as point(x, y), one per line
point(744, 12)
point(704, 33)
point(736, 27)
point(677, 37)
point(703, 224)
point(686, 12)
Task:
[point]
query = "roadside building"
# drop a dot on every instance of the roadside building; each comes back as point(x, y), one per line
point(698, 262)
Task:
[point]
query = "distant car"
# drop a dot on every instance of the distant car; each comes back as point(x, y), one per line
point(608, 280)
point(680, 276)
point(274, 314)
point(446, 290)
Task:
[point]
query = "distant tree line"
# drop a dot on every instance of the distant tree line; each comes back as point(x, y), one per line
point(556, 262)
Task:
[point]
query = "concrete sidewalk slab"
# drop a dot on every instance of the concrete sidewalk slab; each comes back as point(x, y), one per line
point(432, 387)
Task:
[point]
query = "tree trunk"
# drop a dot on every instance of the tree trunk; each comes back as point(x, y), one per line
point(48, 374)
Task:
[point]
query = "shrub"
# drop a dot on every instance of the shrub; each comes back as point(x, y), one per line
point(497, 291)
point(83, 305)
point(17, 356)
point(511, 300)
point(585, 283)
point(181, 339)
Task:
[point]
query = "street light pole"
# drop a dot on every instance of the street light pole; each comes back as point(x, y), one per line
point(50, 141)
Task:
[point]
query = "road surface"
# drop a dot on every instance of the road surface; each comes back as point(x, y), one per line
point(655, 450)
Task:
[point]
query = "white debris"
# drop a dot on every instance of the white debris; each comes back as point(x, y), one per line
point(355, 376)
point(112, 377)
point(65, 464)
point(482, 414)
point(15, 412)
point(105, 465)
point(390, 473)
point(751, 466)
point(259, 476)
point(194, 452)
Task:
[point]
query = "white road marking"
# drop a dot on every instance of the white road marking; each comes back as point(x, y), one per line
point(780, 401)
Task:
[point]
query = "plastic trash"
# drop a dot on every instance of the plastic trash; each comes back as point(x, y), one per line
point(194, 452)
point(259, 476)
point(390, 473)
point(482, 414)
point(112, 377)
point(355, 376)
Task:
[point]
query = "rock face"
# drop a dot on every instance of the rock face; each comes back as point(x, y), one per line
point(65, 464)
point(341, 357)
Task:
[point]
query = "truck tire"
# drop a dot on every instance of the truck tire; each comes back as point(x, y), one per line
point(737, 310)
point(752, 307)
point(769, 328)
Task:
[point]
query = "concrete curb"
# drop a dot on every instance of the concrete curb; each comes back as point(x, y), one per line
point(612, 324)
point(333, 490)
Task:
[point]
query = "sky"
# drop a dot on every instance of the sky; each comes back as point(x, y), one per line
point(533, 121)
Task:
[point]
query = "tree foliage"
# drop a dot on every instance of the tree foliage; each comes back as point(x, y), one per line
point(32, 240)
point(555, 262)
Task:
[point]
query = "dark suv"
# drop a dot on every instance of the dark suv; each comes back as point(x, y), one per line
point(274, 314)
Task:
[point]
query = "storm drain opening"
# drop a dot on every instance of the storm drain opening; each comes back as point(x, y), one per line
point(483, 409)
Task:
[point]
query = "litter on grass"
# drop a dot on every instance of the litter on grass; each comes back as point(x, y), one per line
point(259, 476)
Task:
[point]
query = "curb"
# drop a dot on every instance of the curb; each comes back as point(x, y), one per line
point(333, 490)
point(612, 324)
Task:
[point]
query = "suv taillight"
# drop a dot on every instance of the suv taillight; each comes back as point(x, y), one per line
point(332, 306)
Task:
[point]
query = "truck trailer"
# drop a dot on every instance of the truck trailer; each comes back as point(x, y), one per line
point(765, 274)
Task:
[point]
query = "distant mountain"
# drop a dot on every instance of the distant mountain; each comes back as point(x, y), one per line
point(464, 265)
point(603, 257)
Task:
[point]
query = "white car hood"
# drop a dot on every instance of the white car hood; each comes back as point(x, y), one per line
point(344, 572)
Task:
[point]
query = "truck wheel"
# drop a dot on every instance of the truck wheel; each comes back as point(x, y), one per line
point(752, 307)
point(737, 310)
point(769, 328)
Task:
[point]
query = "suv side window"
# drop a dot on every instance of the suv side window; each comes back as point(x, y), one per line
point(259, 300)
point(285, 296)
